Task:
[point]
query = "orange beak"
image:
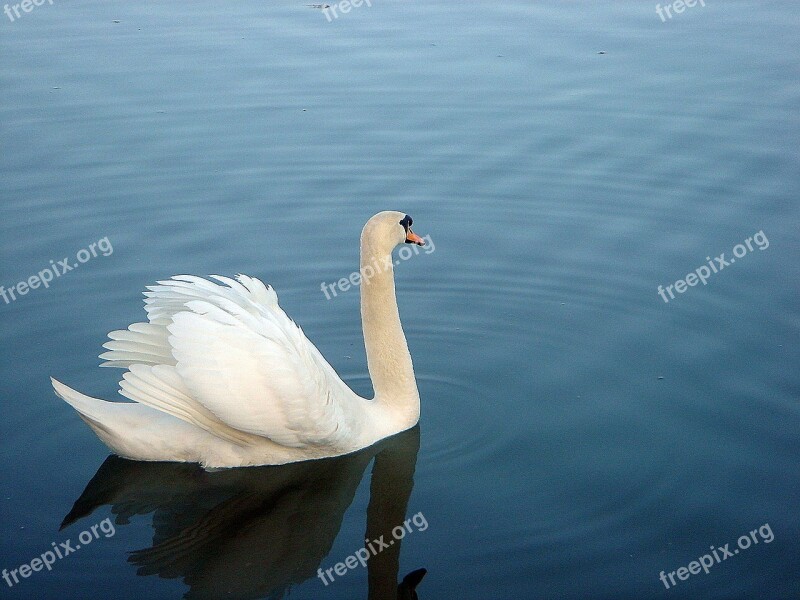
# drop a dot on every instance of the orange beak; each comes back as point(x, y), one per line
point(413, 238)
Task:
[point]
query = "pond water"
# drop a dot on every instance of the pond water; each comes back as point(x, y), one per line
point(583, 430)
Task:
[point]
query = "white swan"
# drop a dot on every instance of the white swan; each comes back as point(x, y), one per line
point(219, 374)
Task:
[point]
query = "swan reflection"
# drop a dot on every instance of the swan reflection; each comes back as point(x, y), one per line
point(255, 532)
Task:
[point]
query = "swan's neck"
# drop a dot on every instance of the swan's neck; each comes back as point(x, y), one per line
point(388, 358)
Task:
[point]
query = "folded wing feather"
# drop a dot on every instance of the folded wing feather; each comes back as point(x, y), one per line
point(226, 358)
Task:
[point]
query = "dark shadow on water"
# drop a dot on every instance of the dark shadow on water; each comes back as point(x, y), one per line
point(255, 532)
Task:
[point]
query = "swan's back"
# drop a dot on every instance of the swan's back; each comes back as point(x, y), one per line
point(224, 358)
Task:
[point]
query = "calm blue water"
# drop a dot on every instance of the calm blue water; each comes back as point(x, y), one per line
point(579, 434)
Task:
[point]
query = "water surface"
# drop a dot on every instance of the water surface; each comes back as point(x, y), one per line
point(579, 435)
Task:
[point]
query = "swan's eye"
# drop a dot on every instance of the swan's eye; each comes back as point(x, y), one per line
point(407, 222)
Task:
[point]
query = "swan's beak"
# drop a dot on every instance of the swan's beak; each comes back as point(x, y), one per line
point(413, 238)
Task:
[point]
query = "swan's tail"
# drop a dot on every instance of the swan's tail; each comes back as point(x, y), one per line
point(111, 421)
point(133, 430)
point(95, 412)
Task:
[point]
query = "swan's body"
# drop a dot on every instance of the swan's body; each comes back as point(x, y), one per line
point(219, 374)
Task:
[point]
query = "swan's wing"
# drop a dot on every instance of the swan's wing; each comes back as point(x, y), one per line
point(148, 343)
point(241, 358)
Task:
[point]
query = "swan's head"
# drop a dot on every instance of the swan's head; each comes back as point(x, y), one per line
point(388, 229)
